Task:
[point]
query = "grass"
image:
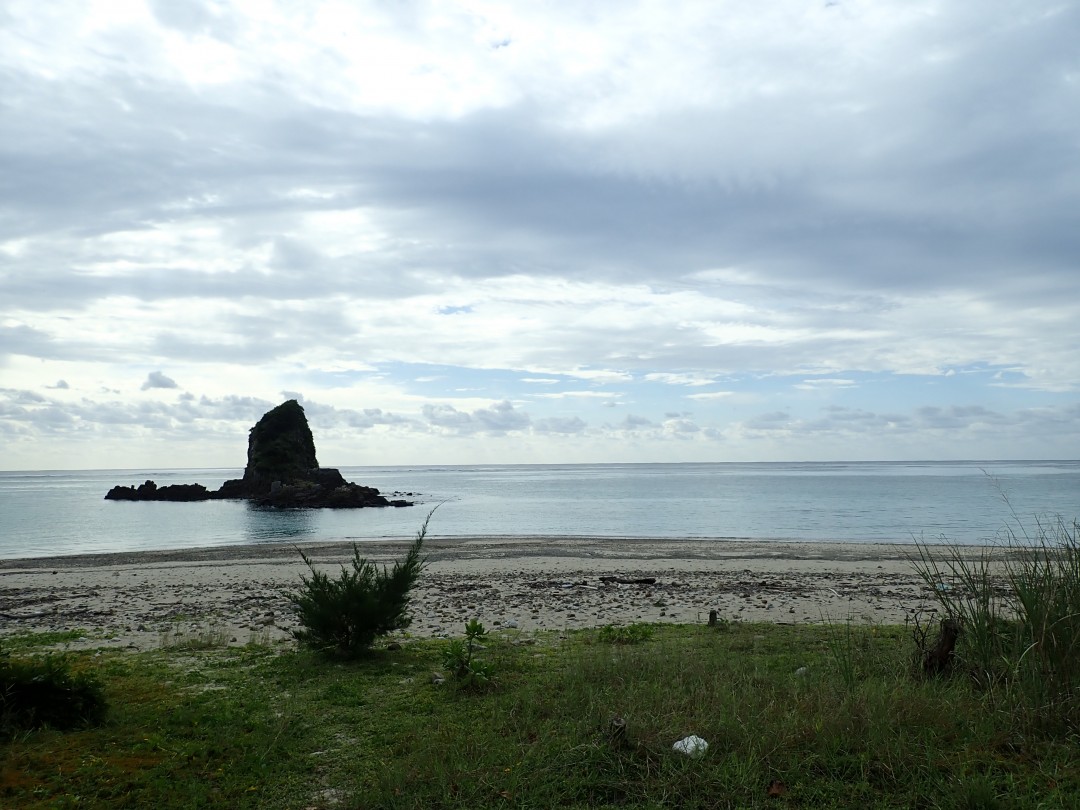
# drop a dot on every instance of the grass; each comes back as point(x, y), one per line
point(46, 691)
point(202, 639)
point(1018, 605)
point(20, 642)
point(625, 634)
point(829, 715)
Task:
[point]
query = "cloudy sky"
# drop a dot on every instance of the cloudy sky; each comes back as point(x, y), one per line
point(476, 232)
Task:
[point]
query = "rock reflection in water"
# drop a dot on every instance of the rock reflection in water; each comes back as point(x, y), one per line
point(265, 524)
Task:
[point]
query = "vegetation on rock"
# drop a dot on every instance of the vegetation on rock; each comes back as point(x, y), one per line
point(280, 448)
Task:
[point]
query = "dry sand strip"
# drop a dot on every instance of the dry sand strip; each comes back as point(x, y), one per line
point(142, 600)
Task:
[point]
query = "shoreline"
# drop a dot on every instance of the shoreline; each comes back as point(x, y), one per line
point(522, 545)
point(144, 600)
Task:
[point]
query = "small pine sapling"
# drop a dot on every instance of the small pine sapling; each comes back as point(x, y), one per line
point(345, 615)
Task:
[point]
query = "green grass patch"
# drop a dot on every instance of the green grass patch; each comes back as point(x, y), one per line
point(625, 634)
point(20, 642)
point(827, 717)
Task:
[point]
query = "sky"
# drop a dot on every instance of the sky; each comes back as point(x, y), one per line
point(514, 232)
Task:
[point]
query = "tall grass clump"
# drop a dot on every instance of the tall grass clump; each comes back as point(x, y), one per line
point(345, 615)
point(1018, 605)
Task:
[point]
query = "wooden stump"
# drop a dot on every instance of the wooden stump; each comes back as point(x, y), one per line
point(617, 732)
point(939, 658)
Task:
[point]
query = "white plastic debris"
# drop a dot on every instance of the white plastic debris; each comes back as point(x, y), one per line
point(692, 746)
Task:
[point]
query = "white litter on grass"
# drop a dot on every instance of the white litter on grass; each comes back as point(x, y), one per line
point(692, 746)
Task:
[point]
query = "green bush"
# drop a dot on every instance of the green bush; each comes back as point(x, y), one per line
point(46, 692)
point(345, 615)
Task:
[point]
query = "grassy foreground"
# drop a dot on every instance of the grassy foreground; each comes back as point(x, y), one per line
point(262, 727)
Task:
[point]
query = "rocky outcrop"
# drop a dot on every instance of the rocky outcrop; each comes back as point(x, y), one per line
point(149, 491)
point(281, 448)
point(282, 470)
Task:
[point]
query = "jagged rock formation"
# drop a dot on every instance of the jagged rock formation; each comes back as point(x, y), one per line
point(149, 491)
point(282, 470)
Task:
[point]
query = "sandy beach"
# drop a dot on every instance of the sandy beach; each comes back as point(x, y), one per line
point(147, 599)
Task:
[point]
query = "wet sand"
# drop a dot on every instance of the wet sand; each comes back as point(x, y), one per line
point(143, 600)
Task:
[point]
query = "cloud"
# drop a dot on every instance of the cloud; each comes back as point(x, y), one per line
point(578, 395)
point(820, 383)
point(499, 418)
point(861, 207)
point(156, 379)
point(671, 378)
point(710, 395)
point(563, 425)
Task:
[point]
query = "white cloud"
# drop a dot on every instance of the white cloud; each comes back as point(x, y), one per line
point(824, 382)
point(675, 378)
point(411, 212)
point(711, 395)
point(578, 395)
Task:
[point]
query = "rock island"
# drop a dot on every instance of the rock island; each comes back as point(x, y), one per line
point(282, 470)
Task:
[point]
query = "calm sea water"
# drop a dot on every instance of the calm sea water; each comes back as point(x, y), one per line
point(59, 513)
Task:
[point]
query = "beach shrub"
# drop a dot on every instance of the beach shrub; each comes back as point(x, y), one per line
point(345, 615)
point(45, 692)
point(460, 657)
point(1018, 608)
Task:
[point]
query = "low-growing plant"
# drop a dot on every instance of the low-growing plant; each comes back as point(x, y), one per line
point(207, 639)
point(345, 615)
point(460, 657)
point(625, 634)
point(45, 638)
point(46, 692)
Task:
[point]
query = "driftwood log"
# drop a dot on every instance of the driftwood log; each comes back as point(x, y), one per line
point(939, 658)
point(622, 581)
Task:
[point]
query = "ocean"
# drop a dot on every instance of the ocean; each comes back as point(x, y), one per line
point(45, 513)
